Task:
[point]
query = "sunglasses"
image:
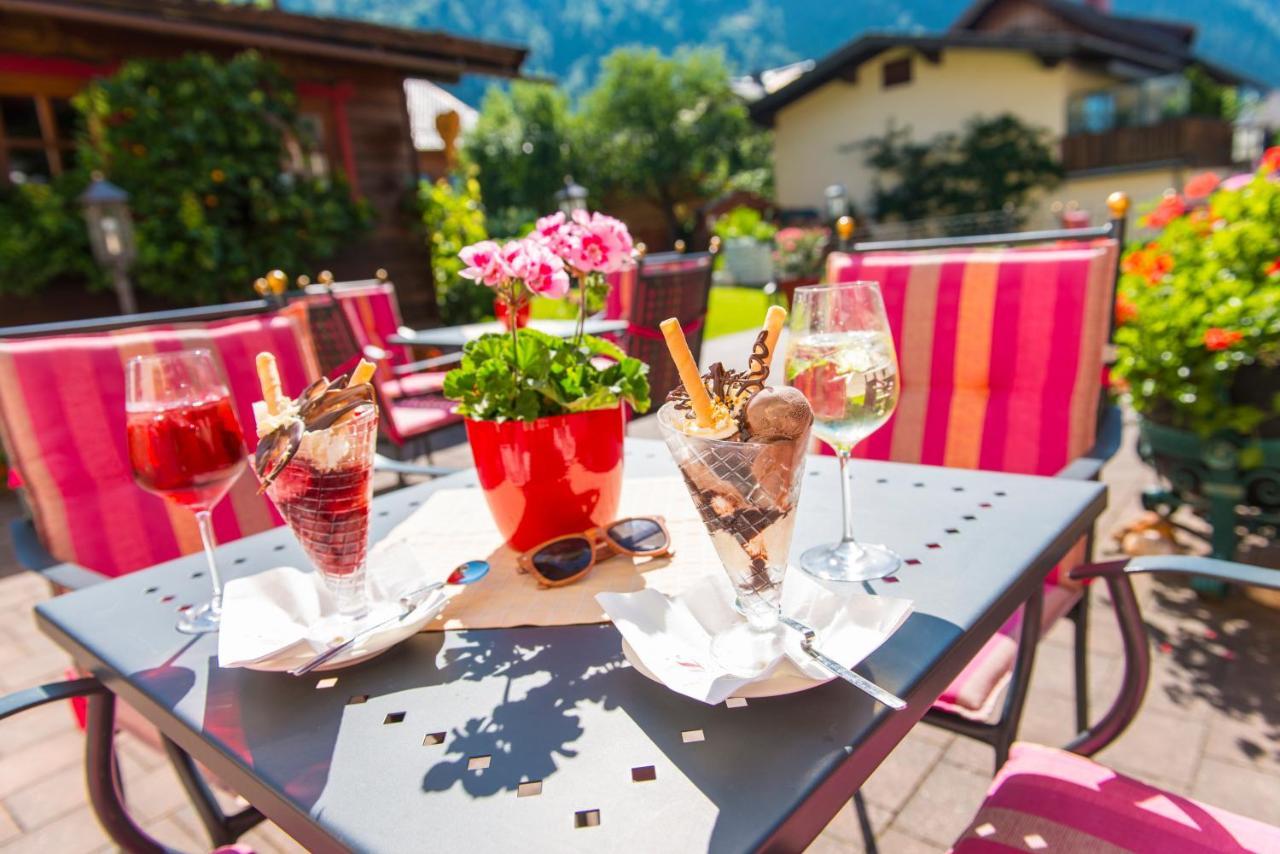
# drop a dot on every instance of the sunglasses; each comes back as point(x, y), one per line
point(566, 559)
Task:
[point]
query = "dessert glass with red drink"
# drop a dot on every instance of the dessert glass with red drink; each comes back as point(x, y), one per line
point(324, 493)
point(186, 446)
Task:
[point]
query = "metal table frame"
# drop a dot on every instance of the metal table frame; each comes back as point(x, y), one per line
point(806, 753)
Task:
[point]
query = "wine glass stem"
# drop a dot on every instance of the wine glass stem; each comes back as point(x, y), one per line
point(204, 520)
point(846, 497)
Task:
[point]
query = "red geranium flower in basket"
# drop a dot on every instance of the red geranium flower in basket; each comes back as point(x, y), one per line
point(1125, 310)
point(1170, 208)
point(1216, 338)
point(1201, 185)
point(1270, 160)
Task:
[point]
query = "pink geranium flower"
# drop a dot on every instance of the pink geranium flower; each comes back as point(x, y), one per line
point(541, 270)
point(554, 232)
point(598, 243)
point(485, 263)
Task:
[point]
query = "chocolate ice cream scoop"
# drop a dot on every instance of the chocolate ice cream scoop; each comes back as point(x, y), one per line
point(778, 412)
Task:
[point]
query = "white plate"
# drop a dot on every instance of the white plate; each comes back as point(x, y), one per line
point(786, 679)
point(369, 646)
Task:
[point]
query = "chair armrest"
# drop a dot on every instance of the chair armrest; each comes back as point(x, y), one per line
point(1220, 570)
point(1110, 431)
point(34, 556)
point(434, 363)
point(382, 463)
point(20, 701)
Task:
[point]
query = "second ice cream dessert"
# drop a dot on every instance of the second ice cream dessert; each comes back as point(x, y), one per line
point(315, 460)
point(741, 447)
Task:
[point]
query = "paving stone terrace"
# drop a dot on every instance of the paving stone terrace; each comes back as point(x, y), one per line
point(1209, 727)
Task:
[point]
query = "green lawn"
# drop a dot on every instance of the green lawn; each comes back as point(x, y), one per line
point(729, 310)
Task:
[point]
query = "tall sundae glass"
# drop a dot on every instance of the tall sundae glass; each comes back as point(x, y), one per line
point(742, 462)
point(315, 460)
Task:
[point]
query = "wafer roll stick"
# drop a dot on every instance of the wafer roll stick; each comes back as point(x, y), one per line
point(699, 400)
point(773, 322)
point(362, 374)
point(269, 379)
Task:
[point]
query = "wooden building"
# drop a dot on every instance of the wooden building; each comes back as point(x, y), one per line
point(350, 79)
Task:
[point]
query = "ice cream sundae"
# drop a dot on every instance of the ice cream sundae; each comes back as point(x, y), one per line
point(741, 446)
point(315, 461)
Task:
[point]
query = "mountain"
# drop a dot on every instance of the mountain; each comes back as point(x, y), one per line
point(567, 38)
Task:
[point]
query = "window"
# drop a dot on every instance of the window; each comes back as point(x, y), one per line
point(895, 72)
point(37, 137)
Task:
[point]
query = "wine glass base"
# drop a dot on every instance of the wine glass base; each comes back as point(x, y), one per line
point(746, 651)
point(201, 620)
point(849, 561)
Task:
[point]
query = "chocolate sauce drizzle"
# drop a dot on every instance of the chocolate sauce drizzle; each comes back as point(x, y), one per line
point(724, 384)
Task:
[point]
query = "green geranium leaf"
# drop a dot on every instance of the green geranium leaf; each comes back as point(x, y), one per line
point(551, 376)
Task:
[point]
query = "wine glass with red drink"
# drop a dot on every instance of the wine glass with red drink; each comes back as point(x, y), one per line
point(186, 446)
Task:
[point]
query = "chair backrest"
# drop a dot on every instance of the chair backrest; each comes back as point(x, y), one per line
point(338, 349)
point(1000, 352)
point(668, 284)
point(622, 290)
point(62, 421)
point(374, 313)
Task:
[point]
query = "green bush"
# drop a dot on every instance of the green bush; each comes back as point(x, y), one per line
point(454, 218)
point(1201, 302)
point(44, 236)
point(743, 221)
point(198, 144)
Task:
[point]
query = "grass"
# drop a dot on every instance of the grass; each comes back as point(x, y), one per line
point(729, 310)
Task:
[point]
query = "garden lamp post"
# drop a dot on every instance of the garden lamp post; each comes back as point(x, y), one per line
point(572, 198)
point(106, 213)
point(837, 200)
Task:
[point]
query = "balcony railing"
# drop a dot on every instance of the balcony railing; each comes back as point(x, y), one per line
point(1192, 140)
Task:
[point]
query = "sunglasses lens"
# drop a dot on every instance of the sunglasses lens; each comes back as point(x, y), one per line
point(639, 535)
point(562, 559)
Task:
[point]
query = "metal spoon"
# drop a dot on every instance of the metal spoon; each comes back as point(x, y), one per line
point(806, 643)
point(467, 573)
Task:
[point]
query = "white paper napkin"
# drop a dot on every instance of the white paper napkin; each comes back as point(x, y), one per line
point(280, 614)
point(672, 637)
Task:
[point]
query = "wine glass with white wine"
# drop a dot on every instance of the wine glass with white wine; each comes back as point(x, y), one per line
point(841, 356)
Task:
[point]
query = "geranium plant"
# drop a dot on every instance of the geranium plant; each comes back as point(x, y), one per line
point(1198, 306)
point(527, 374)
point(800, 252)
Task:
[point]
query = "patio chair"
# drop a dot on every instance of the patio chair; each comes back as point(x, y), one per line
point(412, 426)
point(668, 284)
point(1043, 798)
point(62, 426)
point(373, 314)
point(1001, 367)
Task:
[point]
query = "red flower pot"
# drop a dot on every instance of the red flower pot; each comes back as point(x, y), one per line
point(554, 476)
point(522, 314)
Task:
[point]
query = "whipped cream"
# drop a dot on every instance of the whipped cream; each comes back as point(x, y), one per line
point(268, 423)
point(325, 449)
point(724, 424)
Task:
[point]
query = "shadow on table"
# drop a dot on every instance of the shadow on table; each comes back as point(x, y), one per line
point(773, 760)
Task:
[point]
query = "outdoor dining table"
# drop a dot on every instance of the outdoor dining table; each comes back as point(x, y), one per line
point(456, 336)
point(545, 738)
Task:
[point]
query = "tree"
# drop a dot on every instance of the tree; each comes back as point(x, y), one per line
point(994, 164)
point(522, 144)
point(667, 129)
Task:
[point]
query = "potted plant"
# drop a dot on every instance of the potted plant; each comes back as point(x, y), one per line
point(747, 238)
point(798, 257)
point(1198, 348)
point(544, 414)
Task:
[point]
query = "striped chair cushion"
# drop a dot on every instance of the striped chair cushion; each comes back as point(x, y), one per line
point(62, 420)
point(1000, 360)
point(1050, 800)
point(374, 316)
point(1000, 353)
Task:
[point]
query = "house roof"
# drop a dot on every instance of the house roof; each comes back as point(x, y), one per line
point(1167, 51)
point(1152, 33)
point(423, 53)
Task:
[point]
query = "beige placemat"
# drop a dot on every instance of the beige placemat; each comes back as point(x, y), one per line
point(454, 526)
